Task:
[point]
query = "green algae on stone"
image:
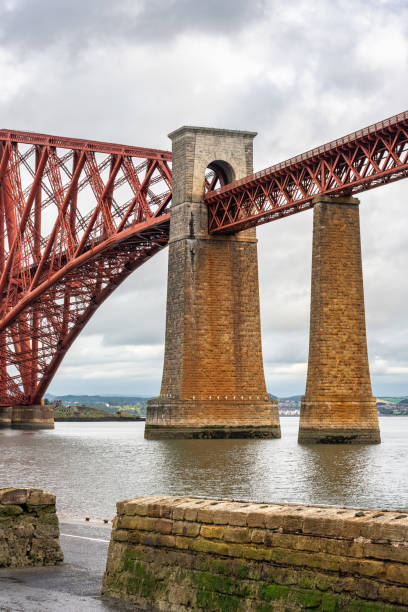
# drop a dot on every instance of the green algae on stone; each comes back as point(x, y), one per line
point(143, 581)
point(10, 510)
point(217, 602)
point(222, 584)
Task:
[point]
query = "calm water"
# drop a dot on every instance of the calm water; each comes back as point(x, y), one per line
point(91, 466)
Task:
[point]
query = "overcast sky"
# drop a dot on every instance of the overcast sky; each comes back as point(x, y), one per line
point(299, 73)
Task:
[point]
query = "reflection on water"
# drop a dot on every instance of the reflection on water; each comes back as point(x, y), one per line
point(90, 466)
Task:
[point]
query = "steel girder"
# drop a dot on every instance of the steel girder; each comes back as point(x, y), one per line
point(76, 218)
point(371, 157)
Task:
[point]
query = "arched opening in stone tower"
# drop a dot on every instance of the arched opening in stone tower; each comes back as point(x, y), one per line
point(218, 173)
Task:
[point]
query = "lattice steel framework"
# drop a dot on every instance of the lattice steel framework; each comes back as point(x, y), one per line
point(76, 218)
point(371, 157)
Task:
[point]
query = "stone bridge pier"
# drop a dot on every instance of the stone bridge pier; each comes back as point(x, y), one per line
point(27, 417)
point(338, 406)
point(213, 382)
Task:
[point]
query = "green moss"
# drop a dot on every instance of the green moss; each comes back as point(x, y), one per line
point(25, 519)
point(228, 567)
point(128, 565)
point(217, 602)
point(305, 599)
point(143, 582)
point(11, 510)
point(218, 567)
point(271, 592)
point(243, 571)
point(221, 584)
point(215, 566)
point(329, 603)
point(226, 585)
point(211, 582)
point(308, 599)
point(132, 553)
point(48, 519)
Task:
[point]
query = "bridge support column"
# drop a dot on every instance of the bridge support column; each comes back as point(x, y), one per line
point(338, 406)
point(5, 416)
point(213, 382)
point(32, 417)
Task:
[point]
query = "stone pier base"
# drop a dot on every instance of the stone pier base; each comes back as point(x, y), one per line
point(5, 416)
point(339, 422)
point(32, 417)
point(212, 419)
point(336, 435)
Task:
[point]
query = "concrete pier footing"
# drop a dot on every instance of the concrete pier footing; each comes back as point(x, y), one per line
point(338, 406)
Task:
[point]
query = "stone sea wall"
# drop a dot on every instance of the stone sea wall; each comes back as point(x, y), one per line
point(178, 553)
point(29, 530)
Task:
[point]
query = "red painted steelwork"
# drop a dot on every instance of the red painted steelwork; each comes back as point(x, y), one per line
point(371, 157)
point(76, 218)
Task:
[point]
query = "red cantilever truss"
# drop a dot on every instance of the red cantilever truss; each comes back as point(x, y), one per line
point(76, 218)
point(365, 159)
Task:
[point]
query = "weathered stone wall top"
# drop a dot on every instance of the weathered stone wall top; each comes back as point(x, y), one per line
point(29, 529)
point(325, 521)
point(178, 553)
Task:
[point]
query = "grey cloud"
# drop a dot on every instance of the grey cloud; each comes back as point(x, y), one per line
point(135, 314)
point(35, 25)
point(31, 25)
point(164, 20)
point(109, 71)
point(285, 347)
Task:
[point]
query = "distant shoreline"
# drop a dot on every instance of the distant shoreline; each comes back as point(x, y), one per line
point(99, 419)
point(142, 419)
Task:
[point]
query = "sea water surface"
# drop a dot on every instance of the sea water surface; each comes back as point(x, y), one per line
point(90, 466)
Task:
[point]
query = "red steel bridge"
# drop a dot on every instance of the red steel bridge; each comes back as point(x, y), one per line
point(78, 216)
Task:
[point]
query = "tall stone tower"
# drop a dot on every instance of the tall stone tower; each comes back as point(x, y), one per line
point(213, 382)
point(338, 406)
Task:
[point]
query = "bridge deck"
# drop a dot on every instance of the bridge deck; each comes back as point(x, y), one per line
point(362, 160)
